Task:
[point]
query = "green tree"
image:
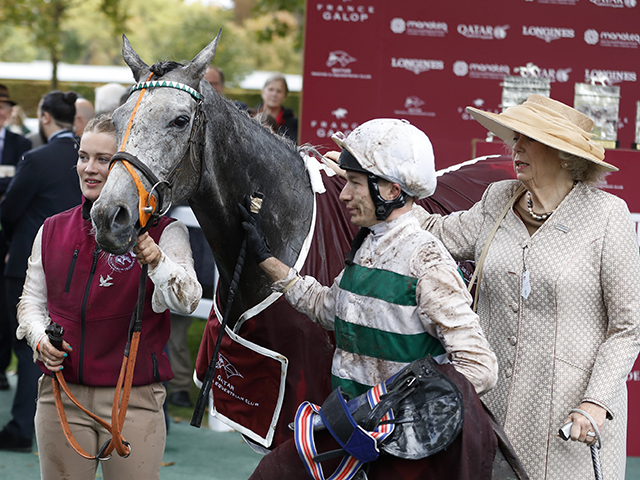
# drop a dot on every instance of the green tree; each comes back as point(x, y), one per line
point(278, 28)
point(47, 20)
point(90, 33)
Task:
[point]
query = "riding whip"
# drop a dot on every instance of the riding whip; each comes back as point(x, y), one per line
point(565, 434)
point(203, 396)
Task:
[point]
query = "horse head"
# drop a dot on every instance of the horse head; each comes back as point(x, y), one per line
point(159, 133)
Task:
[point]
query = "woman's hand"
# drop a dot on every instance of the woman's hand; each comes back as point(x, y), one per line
point(582, 425)
point(330, 159)
point(146, 250)
point(51, 356)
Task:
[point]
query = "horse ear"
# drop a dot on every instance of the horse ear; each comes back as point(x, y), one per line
point(196, 68)
point(137, 66)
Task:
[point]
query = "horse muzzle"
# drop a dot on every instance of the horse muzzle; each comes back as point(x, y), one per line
point(115, 226)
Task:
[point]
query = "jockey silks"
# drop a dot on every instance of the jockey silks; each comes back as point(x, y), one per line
point(378, 326)
point(377, 318)
point(92, 294)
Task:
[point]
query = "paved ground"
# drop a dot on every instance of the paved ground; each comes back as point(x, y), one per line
point(191, 454)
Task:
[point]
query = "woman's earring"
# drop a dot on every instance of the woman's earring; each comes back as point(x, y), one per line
point(565, 165)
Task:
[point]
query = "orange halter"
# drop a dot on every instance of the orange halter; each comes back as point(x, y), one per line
point(147, 203)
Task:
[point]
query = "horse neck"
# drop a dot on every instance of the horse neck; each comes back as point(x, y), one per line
point(242, 157)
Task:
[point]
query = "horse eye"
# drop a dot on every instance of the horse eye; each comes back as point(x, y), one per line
point(180, 122)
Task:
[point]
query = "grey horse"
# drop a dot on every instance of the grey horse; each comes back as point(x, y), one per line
point(185, 142)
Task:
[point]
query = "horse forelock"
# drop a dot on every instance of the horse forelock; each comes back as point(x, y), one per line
point(159, 69)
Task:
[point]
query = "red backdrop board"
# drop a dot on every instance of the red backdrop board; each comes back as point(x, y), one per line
point(427, 60)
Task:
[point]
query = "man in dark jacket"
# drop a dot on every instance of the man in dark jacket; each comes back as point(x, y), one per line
point(12, 146)
point(45, 183)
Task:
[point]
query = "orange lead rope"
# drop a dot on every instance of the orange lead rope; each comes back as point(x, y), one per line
point(123, 389)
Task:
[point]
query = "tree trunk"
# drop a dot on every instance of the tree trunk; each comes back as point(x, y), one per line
point(54, 70)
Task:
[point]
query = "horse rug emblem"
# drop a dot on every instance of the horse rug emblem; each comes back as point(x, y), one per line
point(228, 367)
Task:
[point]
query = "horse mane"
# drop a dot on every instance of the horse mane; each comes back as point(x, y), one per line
point(159, 69)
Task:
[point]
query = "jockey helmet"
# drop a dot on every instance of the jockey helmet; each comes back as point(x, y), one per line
point(393, 150)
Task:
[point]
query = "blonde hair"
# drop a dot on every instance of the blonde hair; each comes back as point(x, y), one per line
point(101, 124)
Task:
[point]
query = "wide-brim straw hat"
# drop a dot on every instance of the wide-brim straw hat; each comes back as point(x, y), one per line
point(549, 122)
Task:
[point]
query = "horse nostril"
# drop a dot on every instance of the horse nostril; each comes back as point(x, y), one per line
point(121, 217)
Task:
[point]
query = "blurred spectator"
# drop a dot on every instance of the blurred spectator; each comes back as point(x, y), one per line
point(16, 120)
point(36, 139)
point(108, 97)
point(84, 113)
point(215, 77)
point(273, 94)
point(12, 146)
point(45, 183)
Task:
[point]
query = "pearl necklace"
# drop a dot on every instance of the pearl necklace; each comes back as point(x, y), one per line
point(535, 216)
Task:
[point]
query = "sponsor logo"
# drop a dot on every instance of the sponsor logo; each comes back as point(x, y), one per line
point(417, 65)
point(230, 389)
point(481, 70)
point(337, 61)
point(634, 376)
point(460, 68)
point(121, 263)
point(398, 25)
point(338, 56)
point(413, 107)
point(483, 32)
point(612, 39)
point(227, 367)
point(225, 385)
point(345, 13)
point(548, 34)
point(560, 75)
point(340, 113)
point(613, 76)
point(603, 183)
point(326, 128)
point(556, 2)
point(419, 27)
point(591, 36)
point(615, 3)
point(478, 103)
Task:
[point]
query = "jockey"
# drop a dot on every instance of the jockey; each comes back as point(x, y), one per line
point(399, 298)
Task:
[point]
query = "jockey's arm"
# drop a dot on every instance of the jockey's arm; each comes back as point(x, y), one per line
point(274, 268)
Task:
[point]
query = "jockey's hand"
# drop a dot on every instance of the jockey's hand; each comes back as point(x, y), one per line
point(51, 356)
point(146, 250)
point(582, 425)
point(256, 241)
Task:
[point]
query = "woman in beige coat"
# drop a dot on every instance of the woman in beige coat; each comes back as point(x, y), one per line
point(559, 295)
